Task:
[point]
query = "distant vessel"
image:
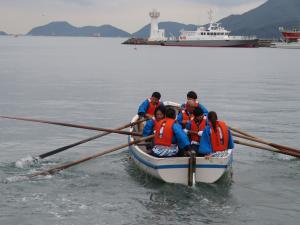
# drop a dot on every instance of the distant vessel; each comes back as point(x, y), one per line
point(290, 35)
point(214, 36)
point(291, 39)
point(291, 45)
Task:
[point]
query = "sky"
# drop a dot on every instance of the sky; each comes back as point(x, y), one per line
point(20, 16)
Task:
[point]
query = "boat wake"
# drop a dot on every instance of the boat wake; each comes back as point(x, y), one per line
point(27, 161)
point(13, 179)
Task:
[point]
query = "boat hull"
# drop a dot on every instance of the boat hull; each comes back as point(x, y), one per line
point(213, 43)
point(175, 169)
point(287, 45)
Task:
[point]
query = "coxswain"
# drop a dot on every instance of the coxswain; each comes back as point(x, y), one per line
point(169, 138)
point(194, 128)
point(215, 137)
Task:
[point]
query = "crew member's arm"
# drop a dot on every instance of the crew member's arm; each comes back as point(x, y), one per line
point(230, 141)
point(205, 147)
point(148, 129)
point(205, 111)
point(182, 139)
point(143, 109)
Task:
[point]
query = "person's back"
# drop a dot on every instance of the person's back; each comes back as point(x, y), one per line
point(195, 128)
point(216, 136)
point(169, 134)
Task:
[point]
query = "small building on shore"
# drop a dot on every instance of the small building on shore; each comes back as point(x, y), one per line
point(155, 33)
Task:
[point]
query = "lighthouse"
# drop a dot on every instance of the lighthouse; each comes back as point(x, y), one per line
point(155, 33)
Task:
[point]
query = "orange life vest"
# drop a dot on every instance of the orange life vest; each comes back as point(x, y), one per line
point(196, 128)
point(186, 117)
point(219, 139)
point(152, 107)
point(164, 132)
point(156, 124)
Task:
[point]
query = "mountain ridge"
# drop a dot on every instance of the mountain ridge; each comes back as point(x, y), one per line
point(262, 21)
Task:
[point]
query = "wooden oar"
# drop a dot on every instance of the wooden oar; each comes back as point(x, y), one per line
point(295, 153)
point(67, 165)
point(280, 147)
point(241, 132)
point(255, 146)
point(73, 125)
point(58, 150)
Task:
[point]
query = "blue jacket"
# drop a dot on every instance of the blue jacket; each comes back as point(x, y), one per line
point(144, 107)
point(180, 117)
point(188, 126)
point(148, 128)
point(180, 138)
point(205, 143)
point(205, 111)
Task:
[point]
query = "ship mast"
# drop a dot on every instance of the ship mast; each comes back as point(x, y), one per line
point(210, 12)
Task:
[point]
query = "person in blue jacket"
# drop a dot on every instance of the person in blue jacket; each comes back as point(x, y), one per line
point(187, 114)
point(147, 108)
point(215, 137)
point(170, 140)
point(191, 95)
point(159, 114)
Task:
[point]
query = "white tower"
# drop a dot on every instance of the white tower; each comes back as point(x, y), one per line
point(155, 33)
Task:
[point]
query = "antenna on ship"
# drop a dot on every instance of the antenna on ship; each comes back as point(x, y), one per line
point(210, 13)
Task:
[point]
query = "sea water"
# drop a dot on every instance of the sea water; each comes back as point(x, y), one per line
point(100, 82)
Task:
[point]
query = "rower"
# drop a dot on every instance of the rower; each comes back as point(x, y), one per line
point(194, 128)
point(147, 107)
point(169, 134)
point(186, 114)
point(215, 137)
point(191, 95)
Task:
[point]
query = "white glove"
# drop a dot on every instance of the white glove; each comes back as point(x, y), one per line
point(186, 131)
point(200, 133)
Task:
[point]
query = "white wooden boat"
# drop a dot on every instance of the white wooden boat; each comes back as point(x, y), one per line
point(175, 169)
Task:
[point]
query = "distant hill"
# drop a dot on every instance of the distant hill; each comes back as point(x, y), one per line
point(171, 29)
point(65, 29)
point(264, 20)
point(3, 33)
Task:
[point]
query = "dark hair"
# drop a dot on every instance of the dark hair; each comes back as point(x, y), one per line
point(170, 113)
point(156, 95)
point(161, 108)
point(191, 94)
point(198, 111)
point(212, 117)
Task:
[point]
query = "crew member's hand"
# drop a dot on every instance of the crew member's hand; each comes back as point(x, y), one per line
point(200, 133)
point(208, 156)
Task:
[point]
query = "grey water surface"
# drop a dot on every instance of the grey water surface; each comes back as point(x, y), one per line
point(99, 82)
